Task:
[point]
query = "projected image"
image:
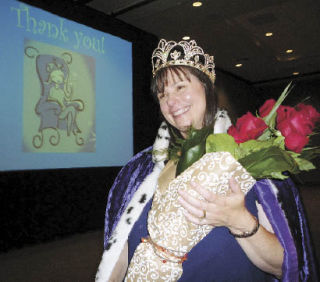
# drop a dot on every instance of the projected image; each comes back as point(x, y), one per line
point(59, 100)
point(66, 92)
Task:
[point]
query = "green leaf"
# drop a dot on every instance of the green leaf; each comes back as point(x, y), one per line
point(190, 156)
point(277, 175)
point(303, 164)
point(222, 142)
point(279, 141)
point(175, 146)
point(266, 135)
point(250, 146)
point(269, 162)
point(254, 145)
point(196, 136)
point(270, 119)
point(310, 153)
point(193, 148)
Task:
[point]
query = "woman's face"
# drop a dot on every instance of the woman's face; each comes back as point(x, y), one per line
point(183, 102)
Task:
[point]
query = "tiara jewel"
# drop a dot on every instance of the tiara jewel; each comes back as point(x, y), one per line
point(183, 53)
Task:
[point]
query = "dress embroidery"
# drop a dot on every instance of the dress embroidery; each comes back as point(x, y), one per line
point(167, 225)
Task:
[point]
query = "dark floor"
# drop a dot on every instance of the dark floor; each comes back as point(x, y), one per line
point(75, 259)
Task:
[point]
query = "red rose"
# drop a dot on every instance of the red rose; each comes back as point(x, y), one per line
point(295, 123)
point(266, 107)
point(295, 127)
point(295, 142)
point(248, 127)
point(309, 112)
point(284, 112)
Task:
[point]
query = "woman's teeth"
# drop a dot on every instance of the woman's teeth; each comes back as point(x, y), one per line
point(180, 112)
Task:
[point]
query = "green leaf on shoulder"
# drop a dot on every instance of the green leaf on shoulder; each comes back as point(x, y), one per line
point(189, 157)
point(193, 148)
point(195, 136)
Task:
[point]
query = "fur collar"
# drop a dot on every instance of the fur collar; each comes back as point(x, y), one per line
point(161, 144)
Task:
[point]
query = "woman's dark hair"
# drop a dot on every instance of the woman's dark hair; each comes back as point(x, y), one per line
point(160, 81)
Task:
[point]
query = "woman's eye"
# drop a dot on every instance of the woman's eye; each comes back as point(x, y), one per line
point(180, 87)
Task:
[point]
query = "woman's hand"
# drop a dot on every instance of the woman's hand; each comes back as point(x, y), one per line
point(263, 248)
point(218, 210)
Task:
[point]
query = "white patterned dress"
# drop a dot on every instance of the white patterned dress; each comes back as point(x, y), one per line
point(160, 257)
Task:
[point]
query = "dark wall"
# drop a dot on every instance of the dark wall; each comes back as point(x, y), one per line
point(234, 94)
point(305, 90)
point(42, 205)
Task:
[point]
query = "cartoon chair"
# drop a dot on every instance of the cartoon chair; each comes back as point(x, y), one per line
point(56, 108)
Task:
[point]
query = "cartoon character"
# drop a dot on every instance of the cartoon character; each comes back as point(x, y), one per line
point(56, 107)
point(58, 94)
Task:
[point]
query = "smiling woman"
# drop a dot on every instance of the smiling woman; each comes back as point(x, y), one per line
point(186, 97)
point(183, 101)
point(212, 222)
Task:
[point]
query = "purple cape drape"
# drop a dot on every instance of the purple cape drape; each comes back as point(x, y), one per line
point(284, 211)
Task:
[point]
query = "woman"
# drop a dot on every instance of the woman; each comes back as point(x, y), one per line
point(250, 238)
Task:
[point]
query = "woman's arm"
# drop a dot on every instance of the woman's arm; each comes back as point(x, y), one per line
point(120, 268)
point(262, 248)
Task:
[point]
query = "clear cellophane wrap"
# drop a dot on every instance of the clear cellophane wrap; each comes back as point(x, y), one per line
point(172, 236)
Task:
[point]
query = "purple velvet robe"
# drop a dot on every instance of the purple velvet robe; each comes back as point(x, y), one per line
point(284, 211)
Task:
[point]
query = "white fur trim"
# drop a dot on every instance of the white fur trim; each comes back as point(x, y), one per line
point(275, 191)
point(263, 219)
point(129, 217)
point(161, 144)
point(222, 122)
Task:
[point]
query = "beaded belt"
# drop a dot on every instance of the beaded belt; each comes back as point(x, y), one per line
point(163, 253)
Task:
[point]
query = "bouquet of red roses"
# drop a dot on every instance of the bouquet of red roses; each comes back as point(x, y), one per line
point(273, 142)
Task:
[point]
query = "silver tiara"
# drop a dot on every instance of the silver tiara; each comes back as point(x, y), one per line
point(183, 53)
